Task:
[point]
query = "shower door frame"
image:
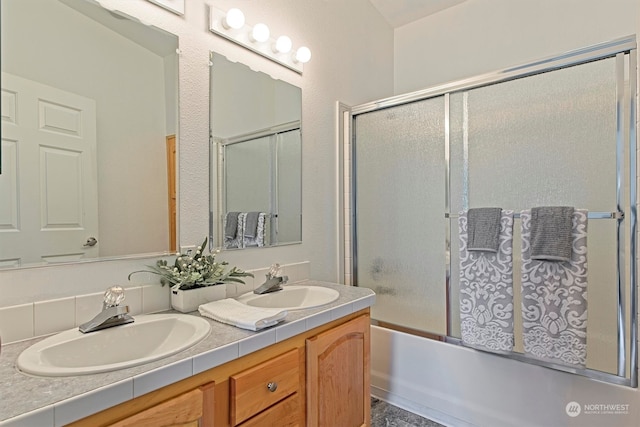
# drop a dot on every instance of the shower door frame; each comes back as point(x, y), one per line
point(618, 48)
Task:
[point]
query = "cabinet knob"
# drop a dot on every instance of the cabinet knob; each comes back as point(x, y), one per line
point(272, 386)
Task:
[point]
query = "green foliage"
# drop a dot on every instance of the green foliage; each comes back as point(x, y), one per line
point(197, 271)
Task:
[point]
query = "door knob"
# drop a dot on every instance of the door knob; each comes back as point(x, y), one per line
point(91, 241)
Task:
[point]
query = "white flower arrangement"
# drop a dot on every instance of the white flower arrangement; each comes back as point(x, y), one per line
point(197, 271)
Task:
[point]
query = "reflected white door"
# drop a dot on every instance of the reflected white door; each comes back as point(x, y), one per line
point(48, 184)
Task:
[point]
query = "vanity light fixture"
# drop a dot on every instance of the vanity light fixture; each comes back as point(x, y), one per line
point(282, 45)
point(233, 19)
point(260, 33)
point(232, 26)
point(303, 55)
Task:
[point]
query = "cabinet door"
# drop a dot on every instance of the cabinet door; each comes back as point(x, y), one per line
point(338, 376)
point(190, 409)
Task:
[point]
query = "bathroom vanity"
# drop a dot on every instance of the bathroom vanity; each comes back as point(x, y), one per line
point(311, 369)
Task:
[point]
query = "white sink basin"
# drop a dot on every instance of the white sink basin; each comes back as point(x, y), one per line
point(150, 337)
point(292, 297)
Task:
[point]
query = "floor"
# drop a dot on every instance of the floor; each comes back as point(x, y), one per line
point(384, 414)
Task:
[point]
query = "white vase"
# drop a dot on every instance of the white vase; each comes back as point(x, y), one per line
point(188, 300)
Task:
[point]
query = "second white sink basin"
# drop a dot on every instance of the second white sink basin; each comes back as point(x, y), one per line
point(150, 337)
point(293, 297)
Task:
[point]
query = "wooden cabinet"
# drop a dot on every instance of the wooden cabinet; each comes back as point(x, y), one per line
point(318, 378)
point(190, 409)
point(263, 386)
point(338, 376)
point(288, 413)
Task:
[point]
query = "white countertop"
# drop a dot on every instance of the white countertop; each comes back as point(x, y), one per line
point(32, 401)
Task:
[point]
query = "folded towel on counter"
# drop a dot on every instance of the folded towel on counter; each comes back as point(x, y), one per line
point(483, 229)
point(251, 225)
point(235, 313)
point(551, 233)
point(231, 225)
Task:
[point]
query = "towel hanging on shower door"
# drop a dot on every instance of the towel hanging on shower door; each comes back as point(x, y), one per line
point(255, 229)
point(554, 298)
point(486, 290)
point(233, 230)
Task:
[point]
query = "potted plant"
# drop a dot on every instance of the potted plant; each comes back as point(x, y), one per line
point(193, 278)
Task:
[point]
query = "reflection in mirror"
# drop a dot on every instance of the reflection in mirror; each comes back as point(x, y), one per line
point(89, 116)
point(255, 124)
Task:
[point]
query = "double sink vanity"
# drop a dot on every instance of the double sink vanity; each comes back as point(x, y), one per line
point(176, 369)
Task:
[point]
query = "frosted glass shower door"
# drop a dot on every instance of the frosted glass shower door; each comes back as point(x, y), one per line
point(399, 181)
point(547, 139)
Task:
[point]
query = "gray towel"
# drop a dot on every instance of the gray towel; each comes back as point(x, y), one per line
point(231, 226)
point(251, 225)
point(554, 299)
point(486, 291)
point(483, 229)
point(551, 228)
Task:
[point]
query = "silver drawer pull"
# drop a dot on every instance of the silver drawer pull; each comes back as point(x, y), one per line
point(272, 386)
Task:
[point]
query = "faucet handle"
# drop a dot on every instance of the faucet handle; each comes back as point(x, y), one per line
point(113, 296)
point(274, 271)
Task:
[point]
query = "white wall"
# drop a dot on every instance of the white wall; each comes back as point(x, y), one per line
point(457, 385)
point(481, 36)
point(348, 40)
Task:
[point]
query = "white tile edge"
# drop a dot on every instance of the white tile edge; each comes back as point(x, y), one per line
point(31, 418)
point(263, 339)
point(167, 379)
point(233, 348)
point(101, 405)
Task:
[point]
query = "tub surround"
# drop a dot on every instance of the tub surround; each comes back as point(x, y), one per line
point(30, 400)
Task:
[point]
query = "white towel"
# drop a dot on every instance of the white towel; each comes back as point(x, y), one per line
point(235, 313)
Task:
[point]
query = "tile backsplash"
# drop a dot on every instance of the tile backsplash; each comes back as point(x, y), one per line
point(25, 321)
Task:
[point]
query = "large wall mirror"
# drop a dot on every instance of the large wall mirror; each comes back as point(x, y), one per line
point(257, 152)
point(89, 117)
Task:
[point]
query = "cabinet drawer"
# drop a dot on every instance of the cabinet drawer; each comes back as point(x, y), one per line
point(250, 391)
point(283, 414)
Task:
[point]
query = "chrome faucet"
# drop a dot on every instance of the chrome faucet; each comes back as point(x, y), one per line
point(112, 314)
point(273, 282)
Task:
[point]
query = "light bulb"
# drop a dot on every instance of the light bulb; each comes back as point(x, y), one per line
point(234, 19)
point(260, 33)
point(303, 55)
point(283, 44)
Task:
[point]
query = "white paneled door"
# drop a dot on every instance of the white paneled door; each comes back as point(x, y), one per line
point(48, 184)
